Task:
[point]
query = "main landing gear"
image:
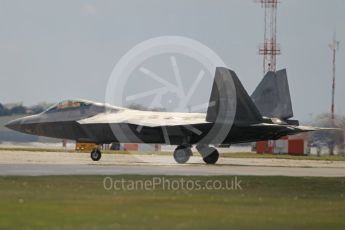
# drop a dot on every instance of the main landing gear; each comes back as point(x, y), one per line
point(182, 154)
point(96, 154)
point(210, 155)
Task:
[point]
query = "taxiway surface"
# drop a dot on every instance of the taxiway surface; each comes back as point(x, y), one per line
point(26, 163)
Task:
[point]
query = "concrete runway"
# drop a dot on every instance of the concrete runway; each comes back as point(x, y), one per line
point(21, 163)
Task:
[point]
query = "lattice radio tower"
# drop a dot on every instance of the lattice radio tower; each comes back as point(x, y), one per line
point(270, 48)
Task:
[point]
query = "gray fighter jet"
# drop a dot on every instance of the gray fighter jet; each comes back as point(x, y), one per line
point(232, 117)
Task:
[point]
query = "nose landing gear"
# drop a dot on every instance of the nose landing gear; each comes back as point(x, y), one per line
point(96, 154)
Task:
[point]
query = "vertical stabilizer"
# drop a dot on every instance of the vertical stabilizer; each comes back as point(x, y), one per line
point(272, 96)
point(230, 102)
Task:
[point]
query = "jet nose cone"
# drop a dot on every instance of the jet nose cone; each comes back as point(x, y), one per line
point(14, 125)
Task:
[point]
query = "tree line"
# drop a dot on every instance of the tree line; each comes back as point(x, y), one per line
point(20, 109)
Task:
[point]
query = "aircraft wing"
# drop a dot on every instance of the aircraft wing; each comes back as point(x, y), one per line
point(147, 118)
point(299, 128)
point(310, 128)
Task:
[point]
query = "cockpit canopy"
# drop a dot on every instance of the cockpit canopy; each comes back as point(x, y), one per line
point(69, 104)
point(82, 105)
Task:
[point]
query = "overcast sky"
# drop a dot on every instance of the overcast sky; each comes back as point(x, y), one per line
point(54, 50)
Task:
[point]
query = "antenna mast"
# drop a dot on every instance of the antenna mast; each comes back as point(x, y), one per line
point(334, 46)
point(270, 48)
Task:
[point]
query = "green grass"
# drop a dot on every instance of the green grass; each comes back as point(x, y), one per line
point(81, 202)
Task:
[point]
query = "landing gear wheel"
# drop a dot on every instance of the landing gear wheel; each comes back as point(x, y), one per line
point(96, 155)
point(210, 155)
point(182, 154)
point(212, 158)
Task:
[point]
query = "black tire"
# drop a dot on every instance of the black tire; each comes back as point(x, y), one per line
point(96, 155)
point(182, 154)
point(212, 158)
